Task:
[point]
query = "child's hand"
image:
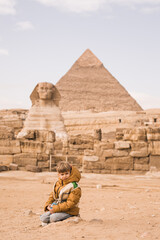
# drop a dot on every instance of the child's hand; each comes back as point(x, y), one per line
point(50, 208)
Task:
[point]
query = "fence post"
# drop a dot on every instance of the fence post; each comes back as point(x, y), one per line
point(50, 162)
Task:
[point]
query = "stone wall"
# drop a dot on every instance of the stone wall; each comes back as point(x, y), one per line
point(134, 151)
point(131, 150)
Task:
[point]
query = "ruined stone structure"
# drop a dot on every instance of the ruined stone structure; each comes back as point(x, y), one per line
point(131, 150)
point(89, 85)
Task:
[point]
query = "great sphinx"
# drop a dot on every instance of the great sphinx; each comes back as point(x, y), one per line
point(44, 113)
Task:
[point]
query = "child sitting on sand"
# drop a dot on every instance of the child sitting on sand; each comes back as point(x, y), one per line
point(63, 200)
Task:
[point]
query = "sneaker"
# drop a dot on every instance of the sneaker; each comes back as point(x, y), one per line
point(44, 224)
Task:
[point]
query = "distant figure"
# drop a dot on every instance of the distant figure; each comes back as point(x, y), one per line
point(63, 200)
point(45, 113)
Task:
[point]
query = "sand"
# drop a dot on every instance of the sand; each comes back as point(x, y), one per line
point(113, 207)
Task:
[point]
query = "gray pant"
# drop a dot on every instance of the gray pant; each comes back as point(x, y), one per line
point(48, 217)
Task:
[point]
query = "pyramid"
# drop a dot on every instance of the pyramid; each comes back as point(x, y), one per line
point(89, 85)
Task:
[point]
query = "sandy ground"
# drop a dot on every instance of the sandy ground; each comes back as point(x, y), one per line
point(121, 208)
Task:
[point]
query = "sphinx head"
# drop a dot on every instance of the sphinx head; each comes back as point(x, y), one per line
point(46, 92)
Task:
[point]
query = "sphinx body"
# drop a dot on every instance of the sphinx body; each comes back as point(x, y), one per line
point(44, 113)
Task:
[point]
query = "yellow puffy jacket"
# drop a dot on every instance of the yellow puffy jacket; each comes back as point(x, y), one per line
point(67, 194)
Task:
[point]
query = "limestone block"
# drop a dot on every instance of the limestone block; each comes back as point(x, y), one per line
point(13, 166)
point(123, 163)
point(154, 148)
point(140, 153)
point(43, 164)
point(75, 159)
point(14, 123)
point(58, 145)
point(9, 146)
point(82, 146)
point(45, 136)
point(36, 147)
point(141, 167)
point(153, 134)
point(120, 160)
point(142, 160)
point(43, 157)
point(81, 139)
point(92, 165)
point(136, 134)
point(32, 168)
point(88, 152)
point(120, 153)
point(107, 153)
point(75, 152)
point(29, 134)
point(91, 158)
point(106, 145)
point(24, 159)
point(6, 159)
point(6, 132)
point(138, 145)
point(155, 162)
point(56, 159)
point(119, 133)
point(122, 145)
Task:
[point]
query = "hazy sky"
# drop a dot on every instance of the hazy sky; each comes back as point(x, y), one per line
point(41, 39)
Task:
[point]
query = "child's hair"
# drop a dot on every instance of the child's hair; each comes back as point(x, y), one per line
point(63, 167)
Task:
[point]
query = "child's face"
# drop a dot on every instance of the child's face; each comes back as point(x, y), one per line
point(64, 176)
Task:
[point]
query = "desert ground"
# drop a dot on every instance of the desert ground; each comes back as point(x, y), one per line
point(112, 207)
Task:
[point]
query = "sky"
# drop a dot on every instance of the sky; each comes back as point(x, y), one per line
point(41, 39)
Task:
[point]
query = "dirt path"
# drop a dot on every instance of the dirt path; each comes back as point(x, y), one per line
point(123, 208)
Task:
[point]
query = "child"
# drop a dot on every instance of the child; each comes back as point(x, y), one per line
point(63, 201)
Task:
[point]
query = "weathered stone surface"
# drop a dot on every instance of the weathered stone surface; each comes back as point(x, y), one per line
point(138, 145)
point(88, 152)
point(106, 145)
point(123, 163)
point(139, 149)
point(9, 147)
point(43, 164)
point(140, 153)
point(6, 159)
point(75, 160)
point(32, 168)
point(142, 160)
point(91, 158)
point(98, 134)
point(122, 145)
point(43, 157)
point(107, 153)
point(58, 145)
point(155, 162)
point(37, 147)
point(141, 167)
point(6, 132)
point(82, 146)
point(154, 148)
point(24, 159)
point(119, 133)
point(45, 136)
point(90, 165)
point(13, 166)
point(136, 134)
point(3, 168)
point(153, 134)
point(120, 153)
